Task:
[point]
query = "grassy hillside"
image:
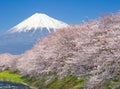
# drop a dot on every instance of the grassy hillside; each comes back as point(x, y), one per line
point(68, 82)
point(11, 76)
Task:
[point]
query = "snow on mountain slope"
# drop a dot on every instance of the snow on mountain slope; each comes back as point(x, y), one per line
point(38, 21)
point(24, 35)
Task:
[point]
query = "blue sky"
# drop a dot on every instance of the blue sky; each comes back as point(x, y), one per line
point(13, 12)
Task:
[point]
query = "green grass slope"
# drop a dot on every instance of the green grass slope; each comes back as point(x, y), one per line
point(11, 76)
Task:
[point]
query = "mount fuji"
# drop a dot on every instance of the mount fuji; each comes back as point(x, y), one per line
point(24, 35)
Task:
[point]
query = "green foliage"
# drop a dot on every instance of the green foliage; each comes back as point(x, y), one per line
point(69, 82)
point(114, 83)
point(111, 84)
point(11, 76)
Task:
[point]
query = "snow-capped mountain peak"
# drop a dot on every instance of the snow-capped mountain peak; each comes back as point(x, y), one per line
point(38, 21)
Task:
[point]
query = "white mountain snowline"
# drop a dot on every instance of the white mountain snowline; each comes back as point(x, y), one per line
point(38, 21)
